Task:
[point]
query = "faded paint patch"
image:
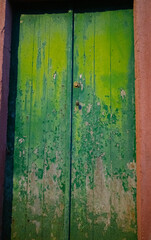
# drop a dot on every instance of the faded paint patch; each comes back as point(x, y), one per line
point(53, 195)
point(54, 76)
point(37, 224)
point(132, 166)
point(89, 108)
point(21, 140)
point(108, 197)
point(23, 183)
point(81, 84)
point(123, 204)
point(86, 123)
point(123, 93)
point(98, 198)
point(34, 200)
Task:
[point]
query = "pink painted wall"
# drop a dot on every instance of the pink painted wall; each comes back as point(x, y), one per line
point(142, 26)
point(142, 30)
point(5, 42)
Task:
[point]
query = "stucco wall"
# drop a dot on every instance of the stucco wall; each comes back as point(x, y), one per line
point(142, 29)
point(142, 26)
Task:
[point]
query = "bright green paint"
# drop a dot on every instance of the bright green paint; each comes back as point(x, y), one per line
point(103, 184)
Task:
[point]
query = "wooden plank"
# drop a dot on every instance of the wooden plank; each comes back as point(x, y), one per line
point(103, 151)
point(42, 130)
point(123, 200)
point(102, 186)
point(82, 166)
point(22, 123)
point(91, 60)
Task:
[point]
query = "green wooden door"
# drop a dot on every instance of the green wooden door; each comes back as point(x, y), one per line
point(74, 153)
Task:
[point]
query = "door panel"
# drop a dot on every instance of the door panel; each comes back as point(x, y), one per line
point(89, 152)
point(42, 128)
point(103, 199)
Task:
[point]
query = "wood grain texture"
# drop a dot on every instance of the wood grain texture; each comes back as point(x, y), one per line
point(103, 203)
point(42, 128)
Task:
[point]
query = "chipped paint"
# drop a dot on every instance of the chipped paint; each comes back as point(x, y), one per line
point(54, 76)
point(37, 224)
point(81, 85)
point(123, 93)
point(21, 140)
point(89, 108)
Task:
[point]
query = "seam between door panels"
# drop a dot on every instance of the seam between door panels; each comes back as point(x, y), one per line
point(71, 125)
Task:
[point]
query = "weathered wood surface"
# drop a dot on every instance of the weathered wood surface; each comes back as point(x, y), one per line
point(103, 184)
point(103, 202)
point(42, 129)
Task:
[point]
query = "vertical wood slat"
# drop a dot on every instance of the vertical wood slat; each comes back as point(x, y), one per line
point(123, 187)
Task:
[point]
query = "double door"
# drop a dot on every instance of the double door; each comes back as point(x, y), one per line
point(74, 150)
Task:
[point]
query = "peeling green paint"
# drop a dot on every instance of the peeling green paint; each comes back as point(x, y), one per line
point(102, 160)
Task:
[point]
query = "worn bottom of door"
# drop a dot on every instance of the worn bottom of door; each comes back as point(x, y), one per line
point(72, 148)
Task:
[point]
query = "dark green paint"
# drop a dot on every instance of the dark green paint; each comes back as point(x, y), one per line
point(101, 155)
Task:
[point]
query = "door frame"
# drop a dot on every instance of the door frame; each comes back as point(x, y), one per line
point(142, 48)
